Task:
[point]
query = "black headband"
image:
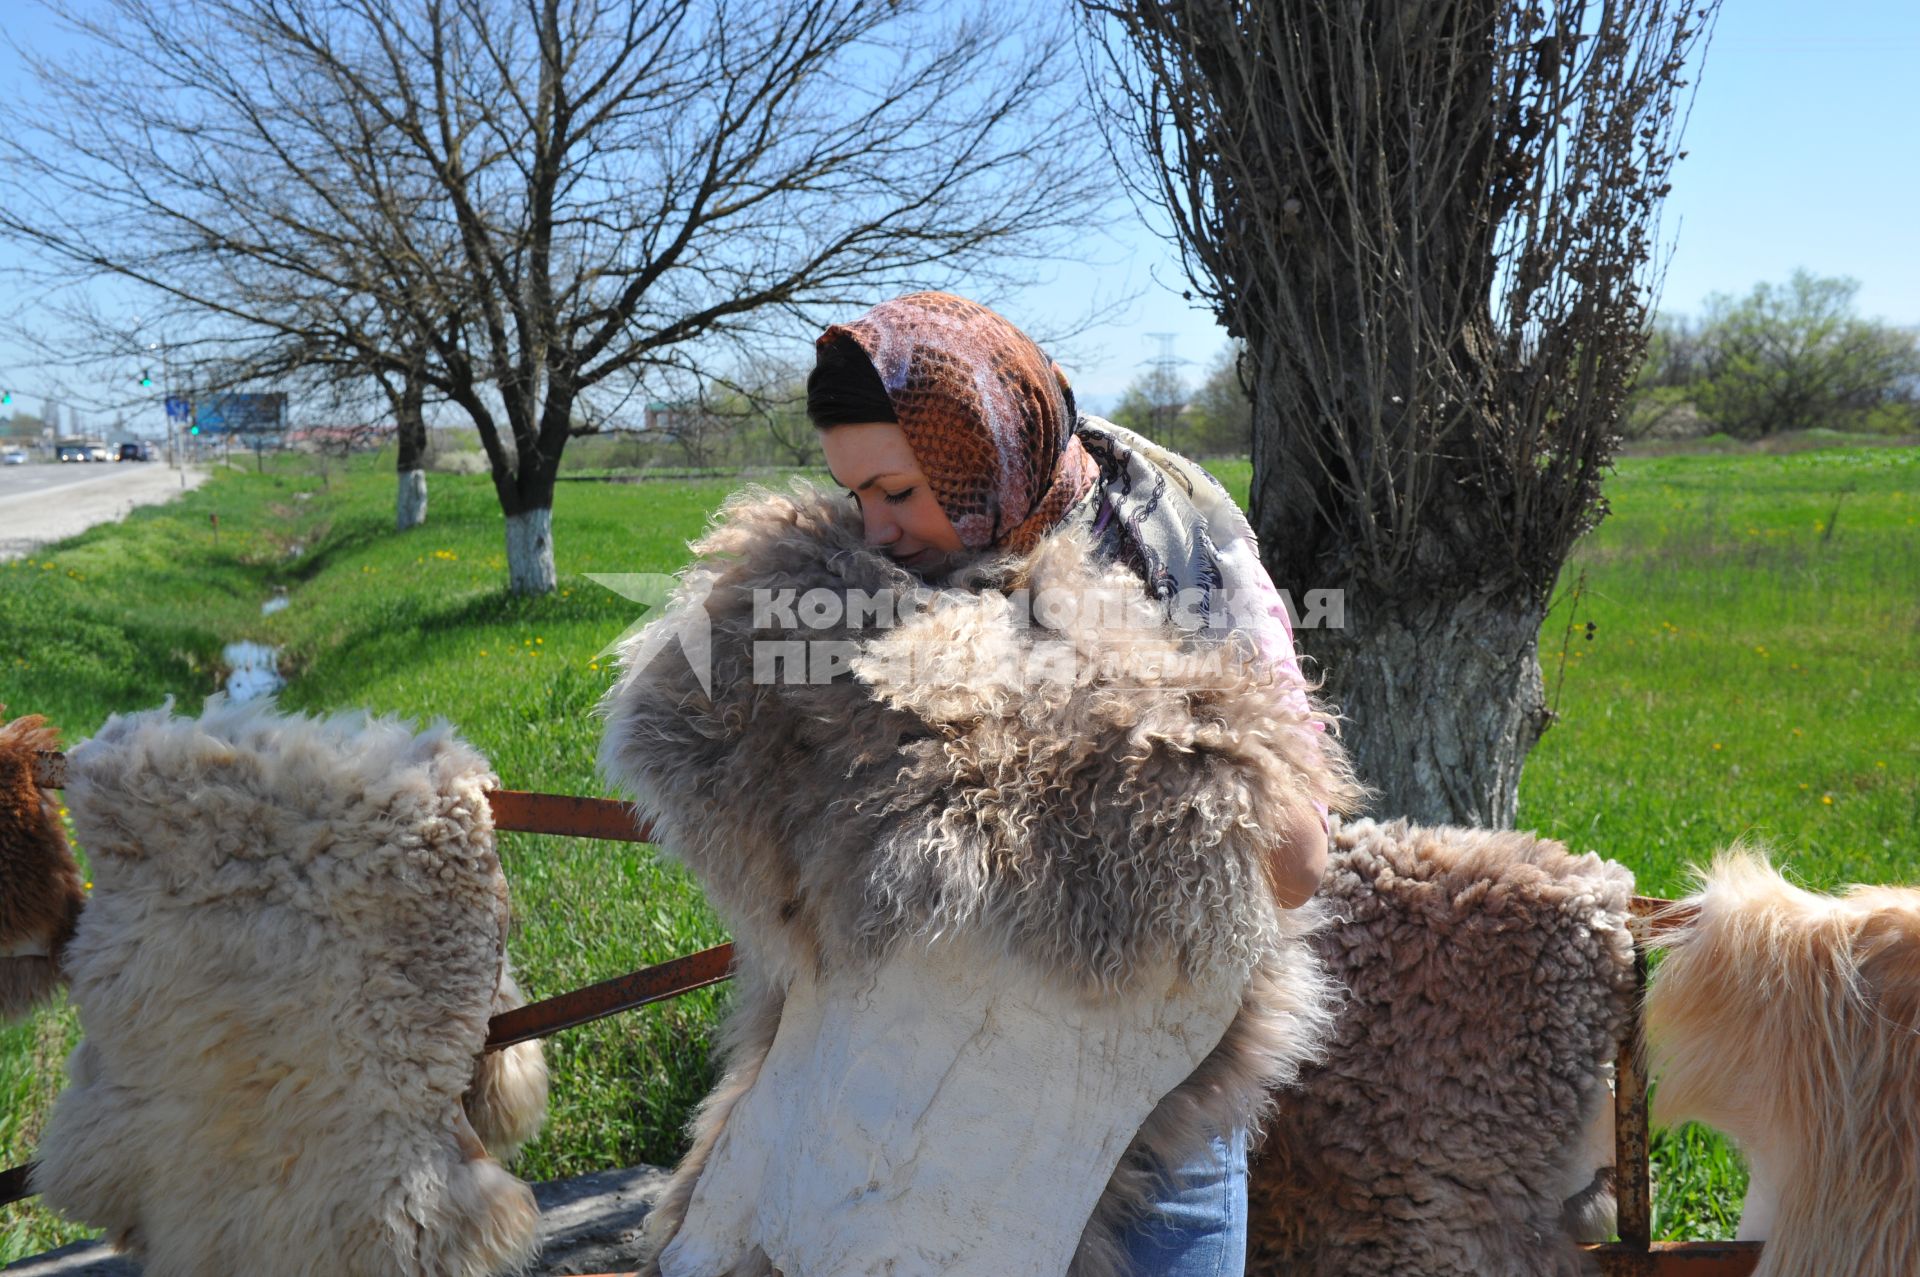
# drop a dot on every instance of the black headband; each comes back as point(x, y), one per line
point(844, 388)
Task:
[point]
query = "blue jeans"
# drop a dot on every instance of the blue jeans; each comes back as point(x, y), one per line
point(1201, 1227)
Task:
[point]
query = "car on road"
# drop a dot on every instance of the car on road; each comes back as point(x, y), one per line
point(99, 452)
point(135, 452)
point(73, 452)
point(13, 457)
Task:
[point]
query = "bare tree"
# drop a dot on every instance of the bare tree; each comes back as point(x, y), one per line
point(623, 189)
point(406, 396)
point(1435, 225)
point(310, 361)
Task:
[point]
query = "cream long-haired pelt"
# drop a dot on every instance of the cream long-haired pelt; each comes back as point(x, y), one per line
point(1093, 833)
point(1488, 976)
point(1791, 1021)
point(40, 885)
point(284, 977)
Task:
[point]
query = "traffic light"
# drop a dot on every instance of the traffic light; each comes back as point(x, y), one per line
point(193, 430)
point(6, 396)
point(146, 379)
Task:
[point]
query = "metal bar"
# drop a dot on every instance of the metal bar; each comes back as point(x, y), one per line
point(1658, 919)
point(610, 997)
point(13, 1183)
point(514, 810)
point(522, 812)
point(1677, 1259)
point(1632, 1176)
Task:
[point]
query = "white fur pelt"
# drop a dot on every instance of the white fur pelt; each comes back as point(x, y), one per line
point(1095, 833)
point(1791, 1022)
point(284, 978)
point(1453, 1122)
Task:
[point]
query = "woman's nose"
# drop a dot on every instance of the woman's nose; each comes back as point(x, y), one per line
point(881, 528)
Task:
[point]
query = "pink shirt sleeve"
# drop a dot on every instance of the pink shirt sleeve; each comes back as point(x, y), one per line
point(1265, 614)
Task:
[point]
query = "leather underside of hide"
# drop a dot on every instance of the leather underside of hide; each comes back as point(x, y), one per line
point(948, 1113)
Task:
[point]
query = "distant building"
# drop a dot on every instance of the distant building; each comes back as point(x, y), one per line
point(363, 438)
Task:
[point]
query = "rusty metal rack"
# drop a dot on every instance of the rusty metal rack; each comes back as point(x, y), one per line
point(1636, 1254)
point(517, 811)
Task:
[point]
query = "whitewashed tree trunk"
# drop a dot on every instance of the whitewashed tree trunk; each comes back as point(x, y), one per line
point(410, 506)
point(530, 551)
point(1444, 699)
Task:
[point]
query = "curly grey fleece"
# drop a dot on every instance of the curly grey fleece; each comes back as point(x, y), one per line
point(1088, 830)
point(284, 976)
point(1489, 974)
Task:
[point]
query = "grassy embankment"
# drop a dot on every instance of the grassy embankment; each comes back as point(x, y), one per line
point(1755, 671)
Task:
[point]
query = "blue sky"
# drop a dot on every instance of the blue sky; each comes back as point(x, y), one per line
point(1804, 150)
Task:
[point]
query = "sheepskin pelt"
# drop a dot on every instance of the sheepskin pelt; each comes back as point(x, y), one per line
point(284, 977)
point(944, 779)
point(1791, 1021)
point(1488, 975)
point(41, 892)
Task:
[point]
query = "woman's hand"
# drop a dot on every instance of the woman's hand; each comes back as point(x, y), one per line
point(1298, 860)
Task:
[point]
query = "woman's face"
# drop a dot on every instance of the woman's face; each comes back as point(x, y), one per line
point(874, 461)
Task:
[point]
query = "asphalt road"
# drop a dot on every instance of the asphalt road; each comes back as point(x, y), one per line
point(43, 502)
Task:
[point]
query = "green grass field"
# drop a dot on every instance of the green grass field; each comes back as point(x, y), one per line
point(1754, 671)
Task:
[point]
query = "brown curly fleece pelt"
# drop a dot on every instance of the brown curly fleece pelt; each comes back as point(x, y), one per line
point(1091, 833)
point(1488, 975)
point(41, 890)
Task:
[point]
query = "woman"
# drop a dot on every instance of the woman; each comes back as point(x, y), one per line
point(1040, 907)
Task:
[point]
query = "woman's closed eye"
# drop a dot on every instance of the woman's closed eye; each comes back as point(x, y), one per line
point(893, 498)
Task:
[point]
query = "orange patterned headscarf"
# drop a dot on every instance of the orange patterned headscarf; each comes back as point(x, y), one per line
point(989, 417)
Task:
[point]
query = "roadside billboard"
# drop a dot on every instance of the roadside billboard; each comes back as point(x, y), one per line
point(240, 414)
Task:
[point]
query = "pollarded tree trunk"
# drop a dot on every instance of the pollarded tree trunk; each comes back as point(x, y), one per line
point(1445, 700)
point(1432, 221)
point(1433, 656)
